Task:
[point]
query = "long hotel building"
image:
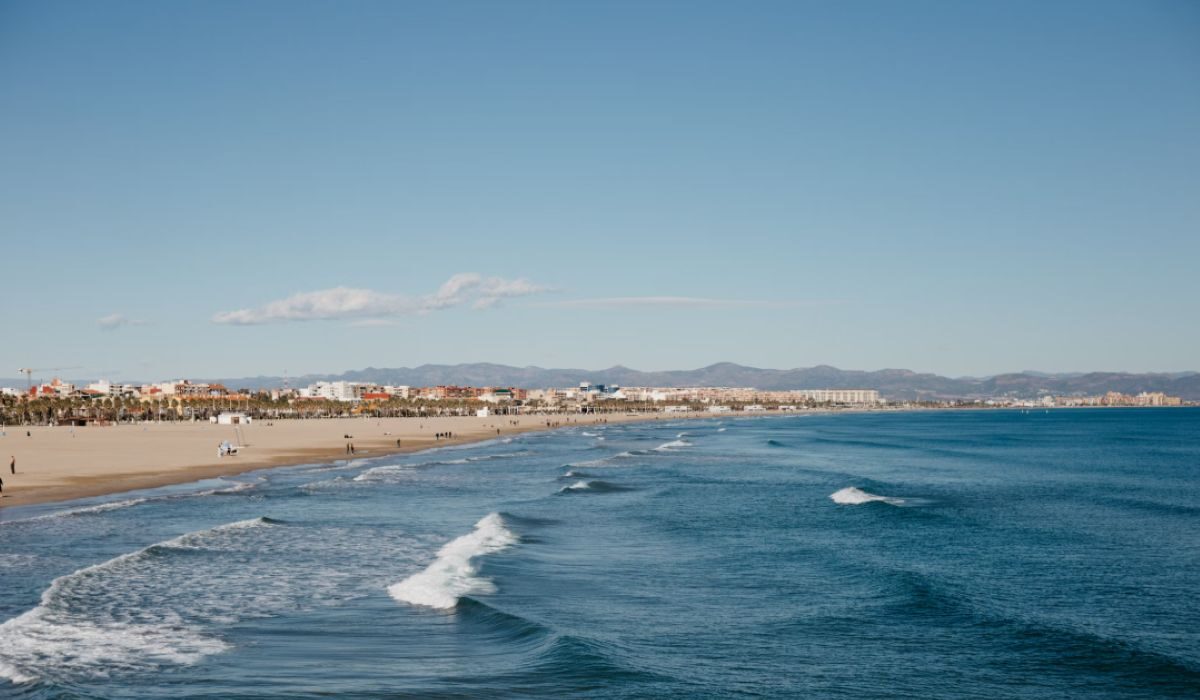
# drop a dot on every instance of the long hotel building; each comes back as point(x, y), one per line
point(853, 396)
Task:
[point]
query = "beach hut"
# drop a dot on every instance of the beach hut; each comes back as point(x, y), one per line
point(232, 418)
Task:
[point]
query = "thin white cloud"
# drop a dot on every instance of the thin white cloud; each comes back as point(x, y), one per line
point(678, 302)
point(468, 288)
point(372, 322)
point(112, 322)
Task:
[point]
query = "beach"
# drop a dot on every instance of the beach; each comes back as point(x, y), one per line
point(64, 463)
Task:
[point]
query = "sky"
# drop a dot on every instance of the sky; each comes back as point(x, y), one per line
point(226, 189)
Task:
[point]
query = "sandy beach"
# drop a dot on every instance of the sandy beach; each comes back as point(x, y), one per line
point(62, 463)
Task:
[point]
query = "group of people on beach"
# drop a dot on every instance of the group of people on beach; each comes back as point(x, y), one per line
point(439, 436)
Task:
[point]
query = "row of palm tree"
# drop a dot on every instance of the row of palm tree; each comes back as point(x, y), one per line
point(46, 410)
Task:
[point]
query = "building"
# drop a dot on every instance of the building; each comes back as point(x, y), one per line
point(845, 396)
point(331, 391)
point(231, 418)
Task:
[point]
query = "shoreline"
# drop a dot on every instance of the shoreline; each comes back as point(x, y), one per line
point(60, 464)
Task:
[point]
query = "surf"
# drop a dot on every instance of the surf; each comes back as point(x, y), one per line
point(593, 486)
point(454, 573)
point(82, 628)
point(852, 496)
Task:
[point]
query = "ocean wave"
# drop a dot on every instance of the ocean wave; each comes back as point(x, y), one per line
point(593, 486)
point(454, 574)
point(775, 443)
point(109, 506)
point(237, 487)
point(851, 496)
point(386, 471)
point(89, 623)
point(98, 508)
point(672, 445)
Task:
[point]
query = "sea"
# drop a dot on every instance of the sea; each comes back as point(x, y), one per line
point(932, 554)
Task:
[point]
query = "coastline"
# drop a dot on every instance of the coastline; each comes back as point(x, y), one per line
point(60, 464)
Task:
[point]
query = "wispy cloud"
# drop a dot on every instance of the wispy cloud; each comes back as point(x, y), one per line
point(112, 322)
point(680, 302)
point(371, 307)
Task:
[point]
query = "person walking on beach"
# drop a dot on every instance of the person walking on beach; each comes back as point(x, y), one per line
point(1, 485)
point(13, 465)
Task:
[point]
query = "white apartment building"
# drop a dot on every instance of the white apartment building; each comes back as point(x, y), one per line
point(333, 391)
point(851, 396)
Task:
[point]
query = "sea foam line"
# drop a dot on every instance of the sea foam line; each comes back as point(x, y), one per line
point(234, 487)
point(454, 572)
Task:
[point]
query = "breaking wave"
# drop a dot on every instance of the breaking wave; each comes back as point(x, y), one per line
point(851, 496)
point(454, 573)
point(103, 619)
point(672, 445)
point(594, 486)
point(387, 471)
point(110, 506)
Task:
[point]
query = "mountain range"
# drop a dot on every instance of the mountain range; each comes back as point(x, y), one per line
point(891, 383)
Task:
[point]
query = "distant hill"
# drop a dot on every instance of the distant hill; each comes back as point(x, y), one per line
point(891, 383)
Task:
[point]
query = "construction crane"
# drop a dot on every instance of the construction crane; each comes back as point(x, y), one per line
point(30, 370)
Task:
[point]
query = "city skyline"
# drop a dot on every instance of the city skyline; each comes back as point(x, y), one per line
point(964, 190)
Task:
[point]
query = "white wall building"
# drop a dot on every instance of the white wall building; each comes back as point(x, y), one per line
point(852, 396)
point(333, 391)
point(231, 418)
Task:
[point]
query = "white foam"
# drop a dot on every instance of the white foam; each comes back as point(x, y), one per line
point(851, 496)
point(98, 620)
point(672, 445)
point(235, 488)
point(453, 573)
point(720, 430)
point(578, 486)
point(100, 507)
point(385, 472)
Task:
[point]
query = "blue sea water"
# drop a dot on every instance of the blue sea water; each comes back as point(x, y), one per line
point(989, 554)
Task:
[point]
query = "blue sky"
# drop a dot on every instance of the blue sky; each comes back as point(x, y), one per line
point(228, 188)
